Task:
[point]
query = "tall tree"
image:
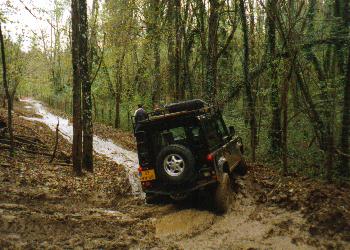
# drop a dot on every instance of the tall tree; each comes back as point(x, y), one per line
point(77, 122)
point(86, 87)
point(178, 49)
point(171, 54)
point(247, 81)
point(7, 91)
point(154, 31)
point(212, 67)
point(345, 131)
point(93, 35)
point(275, 133)
point(344, 168)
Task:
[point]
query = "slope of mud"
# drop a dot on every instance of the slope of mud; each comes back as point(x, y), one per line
point(249, 225)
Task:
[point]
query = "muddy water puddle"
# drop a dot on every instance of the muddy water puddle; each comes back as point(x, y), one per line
point(186, 222)
point(246, 226)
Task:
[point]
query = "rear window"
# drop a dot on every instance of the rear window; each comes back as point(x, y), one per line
point(186, 132)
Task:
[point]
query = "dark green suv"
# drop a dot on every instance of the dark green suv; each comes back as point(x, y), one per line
point(187, 147)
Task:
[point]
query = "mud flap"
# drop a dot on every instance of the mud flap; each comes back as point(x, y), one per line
point(222, 195)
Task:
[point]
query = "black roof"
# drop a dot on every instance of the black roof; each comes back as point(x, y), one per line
point(181, 109)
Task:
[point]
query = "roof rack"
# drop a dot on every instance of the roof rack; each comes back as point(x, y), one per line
point(156, 115)
point(164, 113)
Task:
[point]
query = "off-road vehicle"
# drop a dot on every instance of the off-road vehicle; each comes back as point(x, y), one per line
point(186, 147)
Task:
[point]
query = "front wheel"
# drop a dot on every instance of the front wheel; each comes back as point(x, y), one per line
point(242, 168)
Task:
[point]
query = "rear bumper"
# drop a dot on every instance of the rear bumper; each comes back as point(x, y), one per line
point(179, 190)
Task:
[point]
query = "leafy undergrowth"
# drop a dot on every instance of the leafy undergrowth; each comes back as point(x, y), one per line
point(44, 205)
point(325, 206)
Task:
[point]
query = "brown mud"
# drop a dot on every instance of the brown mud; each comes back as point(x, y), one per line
point(44, 206)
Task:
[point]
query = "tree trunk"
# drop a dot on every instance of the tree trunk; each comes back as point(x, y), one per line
point(77, 129)
point(203, 46)
point(178, 49)
point(345, 130)
point(213, 24)
point(7, 92)
point(117, 111)
point(341, 29)
point(86, 88)
point(275, 133)
point(157, 82)
point(188, 42)
point(247, 83)
point(93, 35)
point(118, 89)
point(171, 58)
point(157, 77)
point(285, 128)
point(284, 107)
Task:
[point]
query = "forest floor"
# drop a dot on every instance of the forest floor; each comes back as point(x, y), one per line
point(43, 205)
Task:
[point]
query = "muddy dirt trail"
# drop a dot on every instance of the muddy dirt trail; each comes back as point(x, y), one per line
point(248, 225)
point(268, 212)
point(104, 147)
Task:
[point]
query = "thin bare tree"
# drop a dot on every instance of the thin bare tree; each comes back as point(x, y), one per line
point(7, 91)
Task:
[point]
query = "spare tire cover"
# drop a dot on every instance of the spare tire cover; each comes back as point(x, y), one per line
point(175, 164)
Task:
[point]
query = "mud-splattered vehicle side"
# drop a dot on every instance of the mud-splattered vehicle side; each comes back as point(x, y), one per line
point(187, 147)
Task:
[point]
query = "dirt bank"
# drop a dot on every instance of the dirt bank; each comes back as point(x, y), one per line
point(44, 206)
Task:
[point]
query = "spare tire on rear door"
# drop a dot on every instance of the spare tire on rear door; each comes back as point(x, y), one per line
point(175, 164)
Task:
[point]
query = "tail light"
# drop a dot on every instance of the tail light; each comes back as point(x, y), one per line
point(210, 157)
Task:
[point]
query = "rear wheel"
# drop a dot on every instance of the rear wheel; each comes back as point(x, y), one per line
point(222, 195)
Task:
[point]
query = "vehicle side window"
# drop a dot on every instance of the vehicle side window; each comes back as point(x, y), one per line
point(179, 133)
point(213, 134)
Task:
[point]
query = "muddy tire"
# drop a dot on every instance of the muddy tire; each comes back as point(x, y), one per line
point(222, 195)
point(175, 164)
point(242, 168)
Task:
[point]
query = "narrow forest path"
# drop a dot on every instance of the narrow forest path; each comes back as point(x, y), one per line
point(110, 149)
point(269, 212)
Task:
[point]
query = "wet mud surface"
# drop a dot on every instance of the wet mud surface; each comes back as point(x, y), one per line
point(44, 206)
